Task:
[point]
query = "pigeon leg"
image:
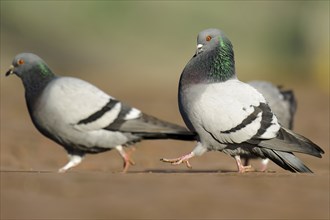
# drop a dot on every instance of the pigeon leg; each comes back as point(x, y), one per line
point(126, 157)
point(241, 168)
point(180, 160)
point(74, 160)
point(264, 164)
point(246, 161)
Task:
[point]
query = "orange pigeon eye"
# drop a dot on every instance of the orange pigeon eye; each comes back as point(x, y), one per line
point(20, 61)
point(208, 38)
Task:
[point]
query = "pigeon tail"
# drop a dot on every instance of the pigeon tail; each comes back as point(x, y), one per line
point(288, 141)
point(287, 161)
point(184, 136)
point(149, 127)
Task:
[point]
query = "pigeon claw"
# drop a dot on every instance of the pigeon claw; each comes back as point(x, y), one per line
point(127, 163)
point(241, 167)
point(176, 161)
point(179, 160)
point(244, 169)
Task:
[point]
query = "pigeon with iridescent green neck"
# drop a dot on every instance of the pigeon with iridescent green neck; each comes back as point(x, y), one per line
point(81, 117)
point(231, 116)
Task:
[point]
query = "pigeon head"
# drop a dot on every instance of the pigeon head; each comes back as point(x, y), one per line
point(215, 56)
point(33, 71)
point(207, 39)
point(29, 65)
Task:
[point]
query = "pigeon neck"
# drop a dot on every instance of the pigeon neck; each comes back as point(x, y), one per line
point(222, 63)
point(35, 83)
point(217, 65)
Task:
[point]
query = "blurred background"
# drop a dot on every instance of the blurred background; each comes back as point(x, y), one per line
point(135, 51)
point(127, 42)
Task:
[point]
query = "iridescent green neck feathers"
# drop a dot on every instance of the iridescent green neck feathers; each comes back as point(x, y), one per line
point(222, 61)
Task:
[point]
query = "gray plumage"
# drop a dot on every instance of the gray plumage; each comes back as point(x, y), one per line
point(283, 105)
point(282, 102)
point(229, 115)
point(81, 117)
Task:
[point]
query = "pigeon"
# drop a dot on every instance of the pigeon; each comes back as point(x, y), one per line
point(82, 118)
point(231, 116)
point(282, 102)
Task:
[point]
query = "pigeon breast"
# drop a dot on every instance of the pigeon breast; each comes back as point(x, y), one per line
point(230, 112)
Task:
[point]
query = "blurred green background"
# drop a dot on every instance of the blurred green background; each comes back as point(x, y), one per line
point(146, 44)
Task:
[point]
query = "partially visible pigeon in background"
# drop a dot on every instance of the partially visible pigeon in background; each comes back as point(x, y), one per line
point(231, 116)
point(81, 117)
point(282, 103)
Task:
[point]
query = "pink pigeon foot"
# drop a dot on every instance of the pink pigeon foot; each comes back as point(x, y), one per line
point(126, 157)
point(180, 160)
point(128, 160)
point(241, 167)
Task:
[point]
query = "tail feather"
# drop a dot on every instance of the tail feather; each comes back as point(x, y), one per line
point(287, 161)
point(149, 127)
point(294, 162)
point(308, 143)
point(288, 141)
point(184, 136)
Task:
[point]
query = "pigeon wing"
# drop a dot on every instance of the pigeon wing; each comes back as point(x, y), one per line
point(243, 112)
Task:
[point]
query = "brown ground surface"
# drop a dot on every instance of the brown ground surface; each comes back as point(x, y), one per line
point(32, 189)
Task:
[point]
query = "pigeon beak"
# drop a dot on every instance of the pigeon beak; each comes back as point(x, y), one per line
point(10, 71)
point(199, 48)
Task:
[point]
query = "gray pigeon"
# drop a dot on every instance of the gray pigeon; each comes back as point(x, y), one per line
point(81, 117)
point(231, 116)
point(282, 103)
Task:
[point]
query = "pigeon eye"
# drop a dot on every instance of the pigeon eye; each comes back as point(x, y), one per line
point(208, 38)
point(20, 61)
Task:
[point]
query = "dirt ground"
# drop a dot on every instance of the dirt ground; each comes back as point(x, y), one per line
point(32, 189)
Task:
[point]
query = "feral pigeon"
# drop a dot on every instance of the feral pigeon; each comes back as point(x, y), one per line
point(283, 104)
point(231, 116)
point(81, 117)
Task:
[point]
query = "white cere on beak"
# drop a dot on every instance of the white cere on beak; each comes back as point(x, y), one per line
point(199, 48)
